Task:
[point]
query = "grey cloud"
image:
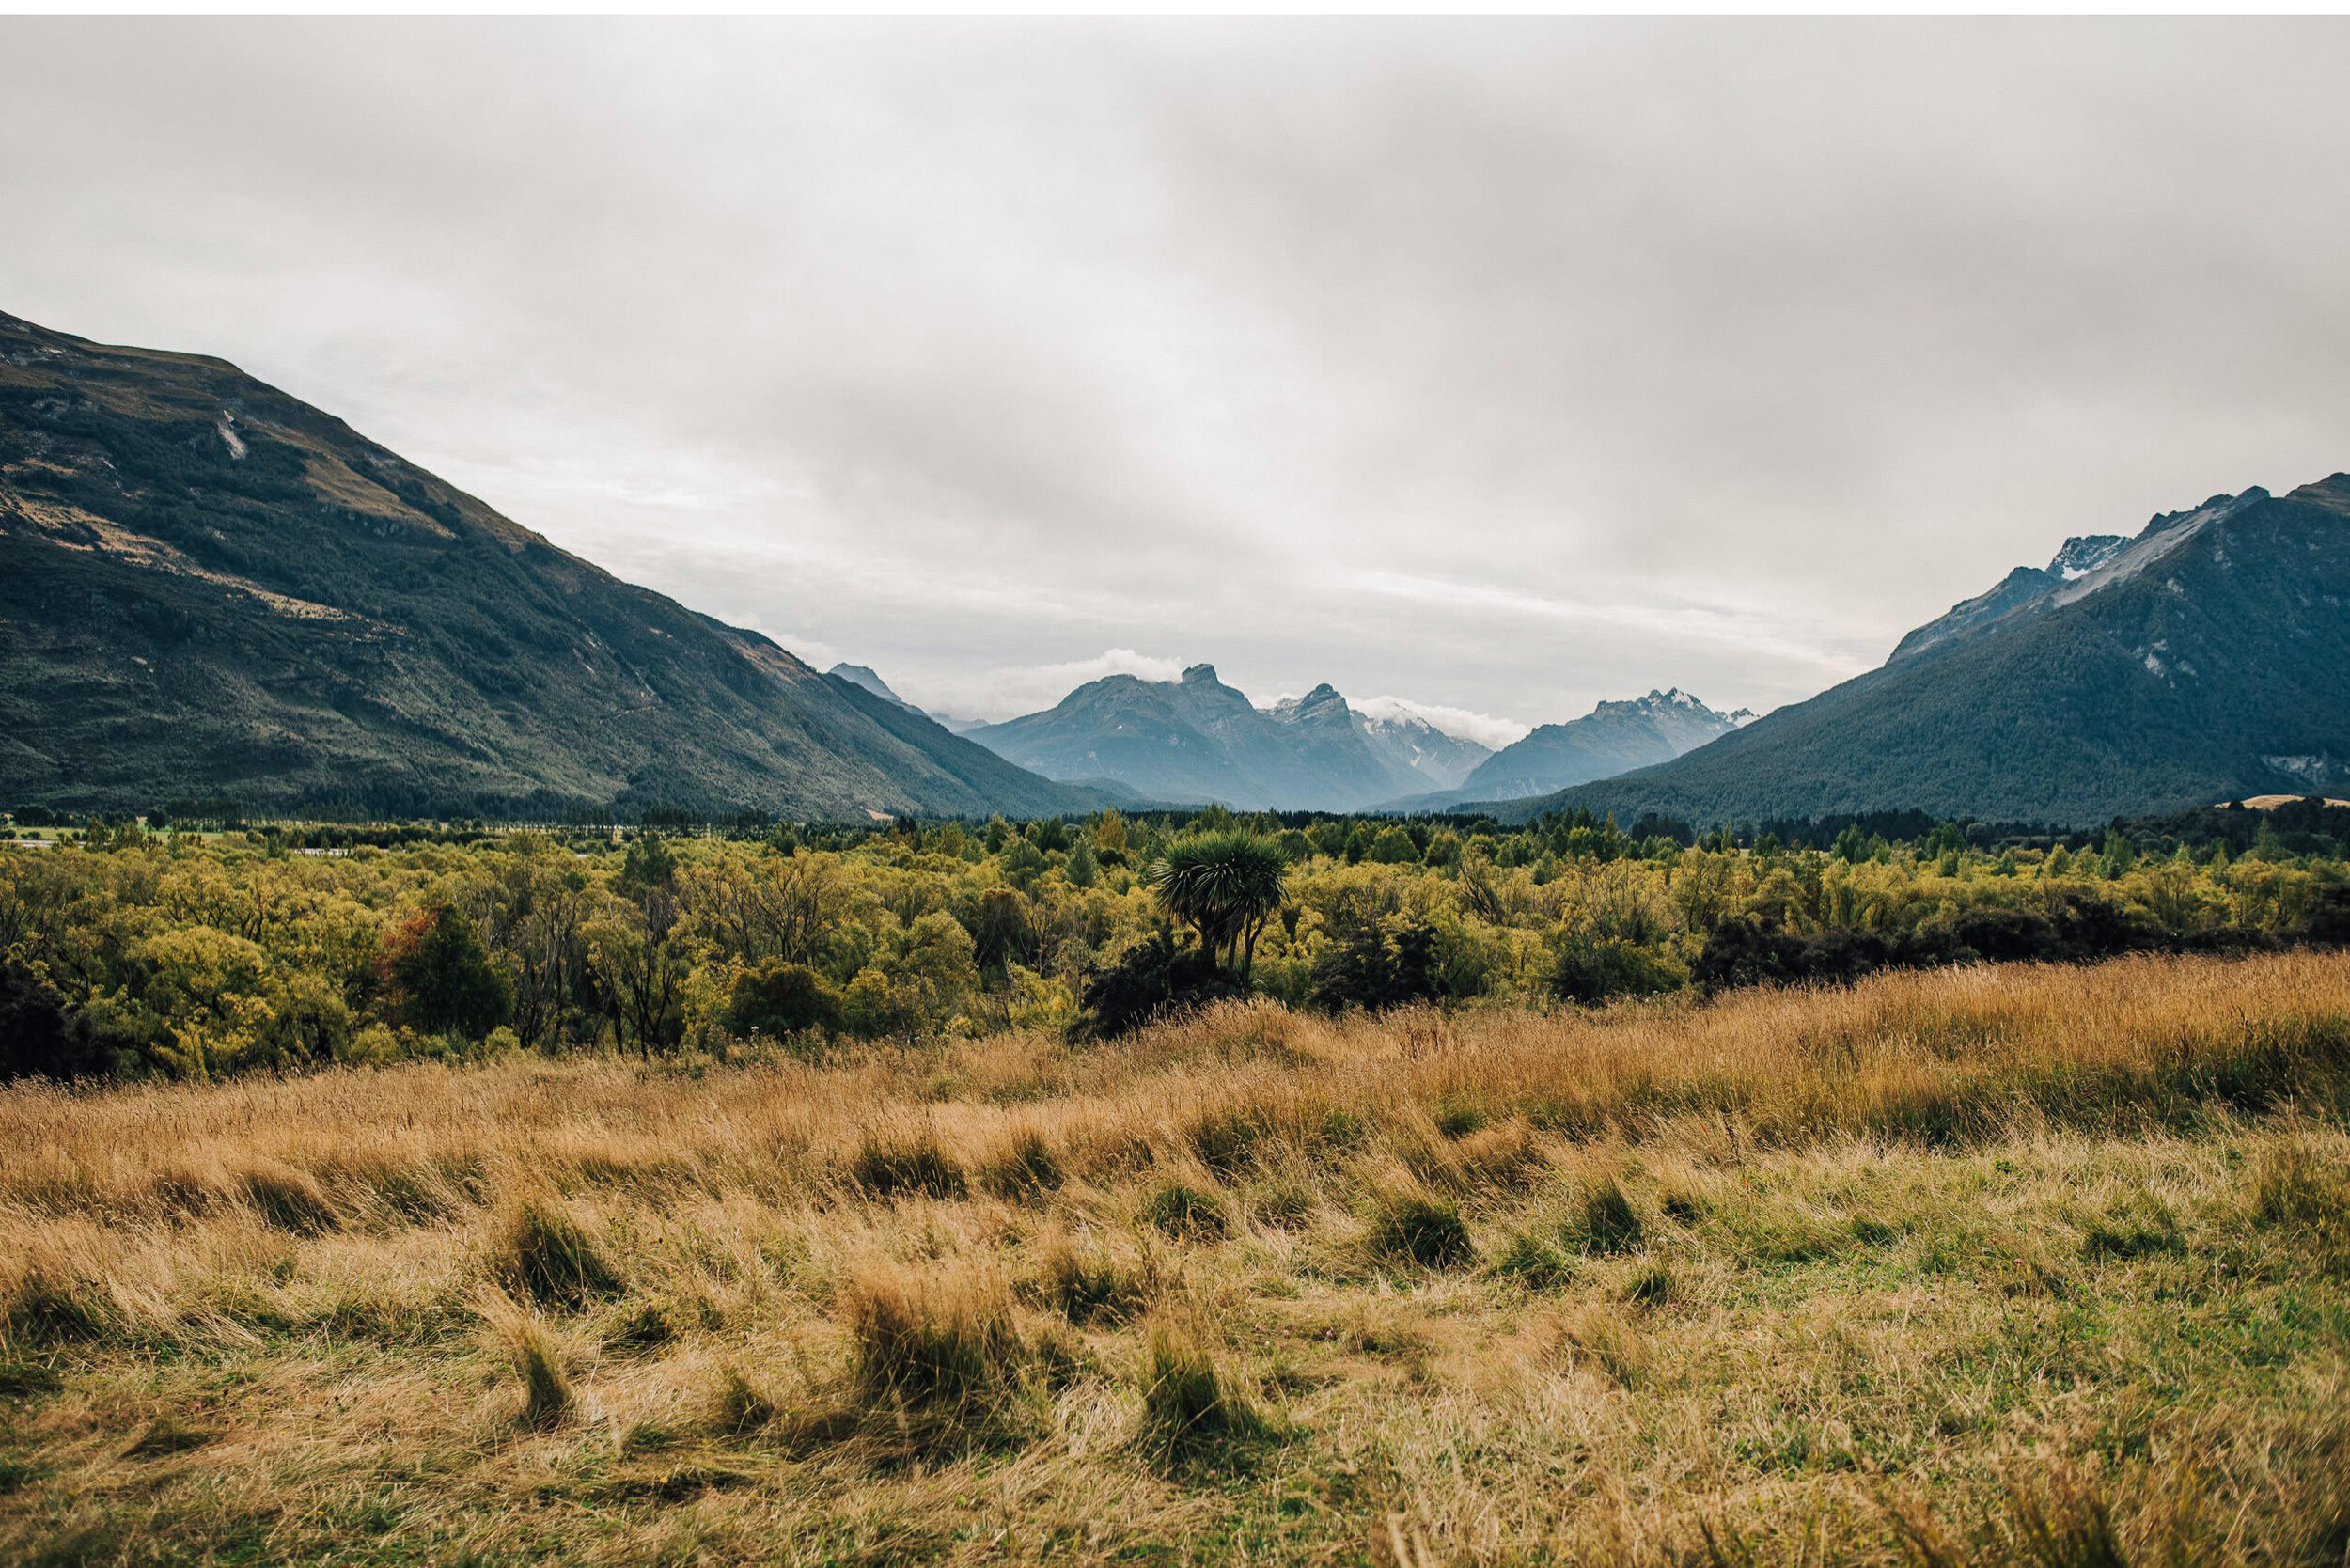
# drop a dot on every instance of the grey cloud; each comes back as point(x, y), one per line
point(1324, 350)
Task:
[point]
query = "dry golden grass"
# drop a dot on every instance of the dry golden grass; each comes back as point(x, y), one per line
point(2026, 1264)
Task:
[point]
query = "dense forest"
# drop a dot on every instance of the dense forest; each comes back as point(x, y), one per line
point(139, 949)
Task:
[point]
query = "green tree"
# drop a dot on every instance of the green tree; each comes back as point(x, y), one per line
point(782, 999)
point(445, 978)
point(648, 866)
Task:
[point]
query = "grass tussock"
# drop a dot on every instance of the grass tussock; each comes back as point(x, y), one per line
point(905, 1163)
point(1529, 1261)
point(28, 1379)
point(537, 1359)
point(1186, 1212)
point(541, 1253)
point(739, 1405)
point(2298, 1189)
point(1750, 1281)
point(1186, 1404)
point(1086, 1284)
point(1413, 1228)
point(1599, 1335)
point(1608, 1222)
point(1025, 1171)
point(287, 1198)
point(940, 1338)
point(50, 1302)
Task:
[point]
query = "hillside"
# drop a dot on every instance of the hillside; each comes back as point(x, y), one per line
point(209, 589)
point(1197, 739)
point(2208, 658)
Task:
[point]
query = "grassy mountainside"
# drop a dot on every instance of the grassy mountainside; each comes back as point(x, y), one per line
point(1996, 1266)
point(2207, 660)
point(208, 589)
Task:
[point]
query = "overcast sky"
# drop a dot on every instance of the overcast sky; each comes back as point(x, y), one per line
point(1501, 365)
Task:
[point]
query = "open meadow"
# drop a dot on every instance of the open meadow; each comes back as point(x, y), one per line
point(2030, 1264)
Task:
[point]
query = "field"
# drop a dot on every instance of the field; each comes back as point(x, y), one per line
point(2023, 1263)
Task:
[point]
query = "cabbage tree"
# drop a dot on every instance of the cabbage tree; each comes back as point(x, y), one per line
point(1225, 884)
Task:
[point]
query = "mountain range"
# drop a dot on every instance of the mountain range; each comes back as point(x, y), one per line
point(1196, 739)
point(209, 589)
point(1612, 738)
point(2206, 658)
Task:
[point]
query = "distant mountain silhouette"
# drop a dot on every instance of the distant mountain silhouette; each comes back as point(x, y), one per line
point(1613, 738)
point(1197, 739)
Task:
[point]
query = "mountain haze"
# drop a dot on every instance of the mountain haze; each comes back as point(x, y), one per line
point(1612, 738)
point(2207, 658)
point(209, 589)
point(1419, 752)
point(1196, 739)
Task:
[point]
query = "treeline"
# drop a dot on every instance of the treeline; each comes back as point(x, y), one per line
point(135, 953)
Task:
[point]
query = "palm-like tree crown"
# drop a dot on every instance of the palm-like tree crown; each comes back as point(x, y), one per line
point(1225, 884)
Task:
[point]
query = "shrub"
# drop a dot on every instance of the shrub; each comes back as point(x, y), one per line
point(1421, 1231)
point(914, 1164)
point(1186, 1212)
point(544, 1254)
point(1755, 950)
point(1592, 970)
point(38, 1038)
point(1374, 962)
point(779, 1000)
point(1153, 978)
point(443, 977)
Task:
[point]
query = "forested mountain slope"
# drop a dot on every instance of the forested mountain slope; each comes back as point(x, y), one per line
point(209, 589)
point(2206, 659)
